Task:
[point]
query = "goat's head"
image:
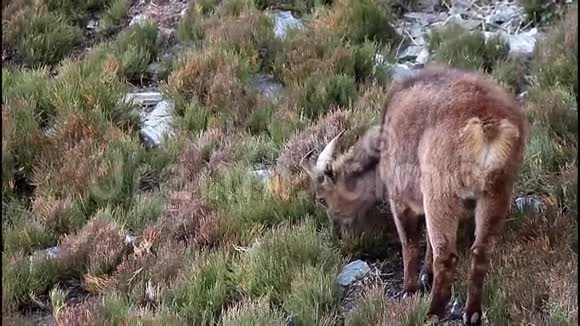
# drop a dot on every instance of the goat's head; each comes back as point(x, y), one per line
point(347, 187)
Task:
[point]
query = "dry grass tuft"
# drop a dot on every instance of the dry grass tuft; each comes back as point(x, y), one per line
point(373, 308)
point(314, 137)
point(97, 248)
point(87, 312)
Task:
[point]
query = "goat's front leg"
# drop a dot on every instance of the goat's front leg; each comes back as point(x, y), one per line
point(489, 214)
point(408, 228)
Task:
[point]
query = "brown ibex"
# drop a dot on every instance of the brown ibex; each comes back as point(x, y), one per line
point(448, 138)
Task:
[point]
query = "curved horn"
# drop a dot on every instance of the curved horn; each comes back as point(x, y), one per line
point(305, 163)
point(326, 155)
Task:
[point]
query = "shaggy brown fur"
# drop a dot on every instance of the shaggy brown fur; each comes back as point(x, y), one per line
point(448, 137)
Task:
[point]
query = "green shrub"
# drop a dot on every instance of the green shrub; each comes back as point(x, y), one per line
point(541, 11)
point(555, 63)
point(201, 290)
point(318, 95)
point(271, 265)
point(456, 46)
point(136, 48)
point(302, 7)
point(246, 203)
point(115, 15)
point(554, 108)
point(47, 39)
point(510, 73)
point(367, 20)
point(193, 118)
point(314, 295)
point(25, 237)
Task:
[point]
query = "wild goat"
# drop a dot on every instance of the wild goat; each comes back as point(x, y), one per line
point(448, 138)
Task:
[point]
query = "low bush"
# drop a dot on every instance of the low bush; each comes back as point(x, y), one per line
point(458, 47)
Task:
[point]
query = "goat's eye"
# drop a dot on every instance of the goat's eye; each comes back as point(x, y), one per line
point(321, 201)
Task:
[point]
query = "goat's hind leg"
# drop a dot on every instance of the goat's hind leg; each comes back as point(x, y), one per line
point(442, 212)
point(426, 275)
point(490, 213)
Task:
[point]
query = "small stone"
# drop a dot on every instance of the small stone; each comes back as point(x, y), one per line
point(154, 68)
point(262, 175)
point(284, 21)
point(268, 86)
point(353, 272)
point(92, 24)
point(52, 252)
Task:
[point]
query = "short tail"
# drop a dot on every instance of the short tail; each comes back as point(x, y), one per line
point(491, 143)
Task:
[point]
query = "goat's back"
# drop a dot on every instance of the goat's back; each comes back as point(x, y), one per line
point(456, 126)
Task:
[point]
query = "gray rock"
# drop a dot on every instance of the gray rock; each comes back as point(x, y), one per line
point(505, 12)
point(262, 175)
point(268, 86)
point(468, 24)
point(529, 203)
point(523, 44)
point(284, 21)
point(154, 68)
point(352, 272)
point(52, 252)
point(400, 71)
point(145, 99)
point(157, 124)
point(422, 18)
point(410, 53)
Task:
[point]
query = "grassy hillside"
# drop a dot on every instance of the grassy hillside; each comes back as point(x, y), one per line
point(184, 233)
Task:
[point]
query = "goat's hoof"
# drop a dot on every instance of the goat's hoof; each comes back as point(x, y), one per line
point(473, 319)
point(432, 320)
point(405, 294)
point(425, 281)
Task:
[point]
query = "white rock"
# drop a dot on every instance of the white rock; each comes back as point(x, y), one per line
point(353, 271)
point(523, 44)
point(92, 24)
point(139, 19)
point(157, 124)
point(423, 56)
point(262, 175)
point(285, 21)
point(145, 98)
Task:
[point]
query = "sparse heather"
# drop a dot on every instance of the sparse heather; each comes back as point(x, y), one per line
point(100, 229)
